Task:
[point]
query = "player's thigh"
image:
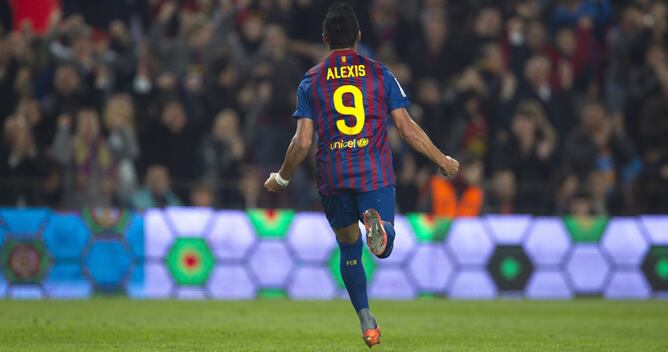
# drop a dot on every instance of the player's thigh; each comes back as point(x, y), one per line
point(383, 200)
point(342, 214)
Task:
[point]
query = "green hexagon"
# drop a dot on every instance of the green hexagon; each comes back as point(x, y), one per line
point(271, 223)
point(428, 228)
point(661, 268)
point(585, 229)
point(190, 261)
point(367, 260)
point(24, 262)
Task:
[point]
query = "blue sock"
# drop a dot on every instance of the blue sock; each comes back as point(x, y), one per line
point(352, 272)
point(389, 230)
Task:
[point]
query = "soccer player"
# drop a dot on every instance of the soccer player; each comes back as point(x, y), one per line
point(347, 99)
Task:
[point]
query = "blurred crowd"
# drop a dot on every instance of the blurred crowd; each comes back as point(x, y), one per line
point(552, 107)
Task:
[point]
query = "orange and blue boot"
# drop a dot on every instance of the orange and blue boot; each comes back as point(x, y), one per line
point(372, 336)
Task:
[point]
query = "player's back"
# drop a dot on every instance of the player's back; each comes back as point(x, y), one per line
point(349, 97)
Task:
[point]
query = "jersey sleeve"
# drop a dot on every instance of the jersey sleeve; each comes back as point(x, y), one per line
point(304, 100)
point(395, 95)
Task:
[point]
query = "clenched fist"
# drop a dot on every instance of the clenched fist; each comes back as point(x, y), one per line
point(449, 167)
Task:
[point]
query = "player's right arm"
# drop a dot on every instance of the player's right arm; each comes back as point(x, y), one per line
point(416, 137)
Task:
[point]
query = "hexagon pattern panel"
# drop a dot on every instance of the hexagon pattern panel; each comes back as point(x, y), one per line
point(200, 253)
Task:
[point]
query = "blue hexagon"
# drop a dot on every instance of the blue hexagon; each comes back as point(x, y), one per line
point(3, 286)
point(3, 235)
point(135, 236)
point(108, 262)
point(66, 280)
point(24, 223)
point(65, 236)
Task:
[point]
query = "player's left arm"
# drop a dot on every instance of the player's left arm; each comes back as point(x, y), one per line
point(297, 152)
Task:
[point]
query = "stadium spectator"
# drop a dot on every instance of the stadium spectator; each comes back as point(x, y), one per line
point(156, 192)
point(462, 196)
point(90, 170)
point(202, 195)
point(20, 161)
point(527, 150)
point(119, 121)
point(222, 155)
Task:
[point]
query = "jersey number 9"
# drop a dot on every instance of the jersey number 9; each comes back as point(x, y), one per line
point(357, 110)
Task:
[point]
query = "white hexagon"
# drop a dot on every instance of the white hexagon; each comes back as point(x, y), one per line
point(657, 228)
point(157, 234)
point(507, 229)
point(548, 285)
point(25, 292)
point(468, 242)
point(311, 238)
point(472, 284)
point(624, 242)
point(231, 282)
point(547, 242)
point(430, 268)
point(404, 242)
point(627, 285)
point(190, 293)
point(271, 263)
point(391, 283)
point(231, 235)
point(587, 268)
point(157, 283)
point(312, 282)
point(189, 221)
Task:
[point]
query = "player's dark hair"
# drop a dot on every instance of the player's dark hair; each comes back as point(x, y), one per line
point(341, 26)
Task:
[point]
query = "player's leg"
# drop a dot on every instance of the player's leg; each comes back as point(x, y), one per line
point(342, 215)
point(377, 210)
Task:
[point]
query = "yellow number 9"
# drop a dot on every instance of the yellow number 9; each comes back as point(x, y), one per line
point(356, 110)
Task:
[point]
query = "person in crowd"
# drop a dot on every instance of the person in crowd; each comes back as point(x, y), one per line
point(90, 169)
point(528, 151)
point(119, 121)
point(463, 196)
point(157, 192)
point(222, 155)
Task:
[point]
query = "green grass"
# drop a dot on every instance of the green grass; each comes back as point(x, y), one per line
point(279, 325)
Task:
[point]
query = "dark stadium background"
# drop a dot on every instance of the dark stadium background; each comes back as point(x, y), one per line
point(554, 107)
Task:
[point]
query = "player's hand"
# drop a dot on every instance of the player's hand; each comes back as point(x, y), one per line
point(450, 167)
point(272, 185)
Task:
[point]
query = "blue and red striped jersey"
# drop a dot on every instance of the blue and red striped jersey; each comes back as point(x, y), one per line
point(349, 97)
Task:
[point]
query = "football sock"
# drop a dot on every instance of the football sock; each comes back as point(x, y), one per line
point(389, 230)
point(367, 321)
point(352, 272)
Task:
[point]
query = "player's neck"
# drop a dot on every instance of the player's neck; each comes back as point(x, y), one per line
point(332, 51)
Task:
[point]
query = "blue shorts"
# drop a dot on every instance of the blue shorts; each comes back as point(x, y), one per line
point(347, 208)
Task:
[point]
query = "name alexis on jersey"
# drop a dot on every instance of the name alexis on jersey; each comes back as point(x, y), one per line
point(346, 72)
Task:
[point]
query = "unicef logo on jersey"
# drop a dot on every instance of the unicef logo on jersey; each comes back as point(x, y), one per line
point(349, 144)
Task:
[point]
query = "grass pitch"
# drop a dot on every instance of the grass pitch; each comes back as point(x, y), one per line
point(279, 325)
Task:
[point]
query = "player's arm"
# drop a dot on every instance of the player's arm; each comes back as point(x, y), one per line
point(415, 136)
point(297, 152)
